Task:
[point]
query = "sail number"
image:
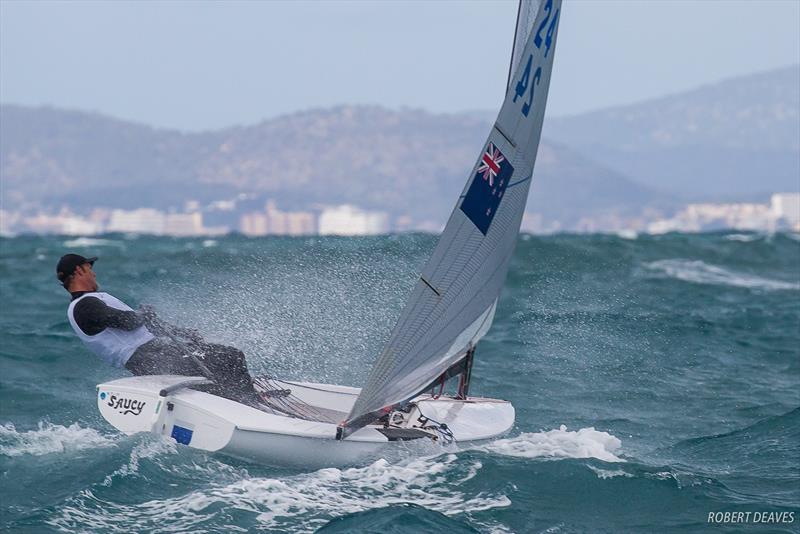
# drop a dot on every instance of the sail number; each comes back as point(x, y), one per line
point(525, 82)
point(526, 85)
point(548, 40)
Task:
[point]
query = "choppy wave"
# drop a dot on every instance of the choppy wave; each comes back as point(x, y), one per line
point(561, 443)
point(150, 448)
point(699, 272)
point(743, 238)
point(413, 518)
point(310, 499)
point(87, 242)
point(49, 439)
point(627, 234)
point(610, 473)
point(696, 396)
point(436, 483)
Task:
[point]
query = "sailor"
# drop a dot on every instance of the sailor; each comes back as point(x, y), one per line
point(142, 343)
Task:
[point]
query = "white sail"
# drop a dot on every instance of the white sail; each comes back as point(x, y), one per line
point(526, 16)
point(453, 302)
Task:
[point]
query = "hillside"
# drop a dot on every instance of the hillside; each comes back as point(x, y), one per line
point(736, 138)
point(406, 162)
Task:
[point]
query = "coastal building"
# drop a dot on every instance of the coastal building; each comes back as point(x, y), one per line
point(351, 220)
point(9, 221)
point(184, 224)
point(783, 212)
point(139, 221)
point(64, 223)
point(300, 223)
point(273, 221)
point(276, 219)
point(786, 206)
point(253, 224)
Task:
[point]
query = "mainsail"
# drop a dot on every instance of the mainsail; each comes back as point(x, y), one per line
point(454, 300)
point(526, 16)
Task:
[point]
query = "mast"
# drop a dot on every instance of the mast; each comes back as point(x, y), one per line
point(453, 303)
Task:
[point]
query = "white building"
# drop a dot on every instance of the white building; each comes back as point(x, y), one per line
point(350, 220)
point(79, 226)
point(253, 224)
point(8, 220)
point(782, 212)
point(64, 223)
point(273, 221)
point(300, 223)
point(786, 206)
point(184, 224)
point(140, 221)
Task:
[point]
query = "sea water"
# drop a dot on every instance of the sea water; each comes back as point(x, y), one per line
point(656, 381)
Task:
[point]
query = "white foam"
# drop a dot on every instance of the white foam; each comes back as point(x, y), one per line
point(561, 443)
point(49, 439)
point(609, 473)
point(627, 234)
point(744, 238)
point(91, 242)
point(310, 499)
point(209, 243)
point(699, 272)
point(151, 447)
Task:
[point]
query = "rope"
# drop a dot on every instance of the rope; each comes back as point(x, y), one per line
point(441, 429)
point(284, 402)
point(288, 403)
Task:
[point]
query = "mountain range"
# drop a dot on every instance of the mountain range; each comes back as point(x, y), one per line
point(736, 139)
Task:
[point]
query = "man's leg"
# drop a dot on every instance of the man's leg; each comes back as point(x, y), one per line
point(229, 367)
point(158, 357)
point(226, 365)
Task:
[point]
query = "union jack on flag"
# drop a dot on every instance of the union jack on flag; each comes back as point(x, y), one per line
point(490, 163)
point(487, 188)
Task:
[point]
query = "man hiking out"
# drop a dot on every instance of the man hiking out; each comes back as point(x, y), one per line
point(143, 344)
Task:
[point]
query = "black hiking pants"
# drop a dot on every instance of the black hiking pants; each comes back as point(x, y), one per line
point(226, 366)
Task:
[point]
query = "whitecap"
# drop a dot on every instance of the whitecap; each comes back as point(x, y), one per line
point(150, 448)
point(743, 238)
point(209, 243)
point(49, 439)
point(609, 473)
point(91, 242)
point(699, 272)
point(627, 234)
point(309, 499)
point(561, 443)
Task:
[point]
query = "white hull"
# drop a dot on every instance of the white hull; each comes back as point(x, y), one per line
point(159, 404)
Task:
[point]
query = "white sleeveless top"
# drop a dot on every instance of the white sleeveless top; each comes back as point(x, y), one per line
point(114, 345)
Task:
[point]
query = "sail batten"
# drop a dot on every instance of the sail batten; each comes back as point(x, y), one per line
point(454, 300)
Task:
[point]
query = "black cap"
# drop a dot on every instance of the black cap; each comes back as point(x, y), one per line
point(68, 263)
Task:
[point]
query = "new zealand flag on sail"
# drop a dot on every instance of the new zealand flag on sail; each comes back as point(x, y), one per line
point(487, 189)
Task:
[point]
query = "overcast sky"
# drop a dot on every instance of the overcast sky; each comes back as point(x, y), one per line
point(204, 65)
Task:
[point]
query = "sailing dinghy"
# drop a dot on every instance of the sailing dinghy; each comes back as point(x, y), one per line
point(450, 309)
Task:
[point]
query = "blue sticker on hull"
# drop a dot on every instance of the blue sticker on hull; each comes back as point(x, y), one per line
point(181, 435)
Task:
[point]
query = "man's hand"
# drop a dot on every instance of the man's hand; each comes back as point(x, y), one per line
point(151, 321)
point(160, 328)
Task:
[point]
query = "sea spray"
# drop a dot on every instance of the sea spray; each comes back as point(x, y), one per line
point(561, 443)
point(697, 381)
point(50, 439)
